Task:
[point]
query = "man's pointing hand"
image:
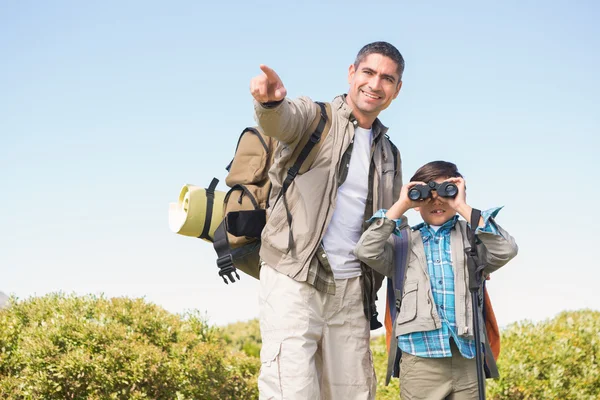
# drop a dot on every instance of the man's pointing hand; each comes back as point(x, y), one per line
point(267, 87)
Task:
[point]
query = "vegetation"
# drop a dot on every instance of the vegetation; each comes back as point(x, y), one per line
point(244, 336)
point(555, 359)
point(67, 347)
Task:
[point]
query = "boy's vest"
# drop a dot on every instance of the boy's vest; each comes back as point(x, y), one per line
point(393, 303)
point(233, 221)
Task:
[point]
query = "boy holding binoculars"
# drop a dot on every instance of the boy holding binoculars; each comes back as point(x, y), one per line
point(434, 323)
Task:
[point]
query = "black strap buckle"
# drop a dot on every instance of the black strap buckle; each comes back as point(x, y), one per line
point(322, 110)
point(292, 172)
point(226, 268)
point(314, 138)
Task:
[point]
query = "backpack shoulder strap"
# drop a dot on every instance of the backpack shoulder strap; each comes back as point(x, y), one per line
point(395, 153)
point(396, 157)
point(394, 299)
point(306, 138)
point(314, 138)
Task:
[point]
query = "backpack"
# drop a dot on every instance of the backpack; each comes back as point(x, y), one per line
point(233, 221)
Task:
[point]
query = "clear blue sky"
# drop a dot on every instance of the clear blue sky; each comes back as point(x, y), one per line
point(108, 108)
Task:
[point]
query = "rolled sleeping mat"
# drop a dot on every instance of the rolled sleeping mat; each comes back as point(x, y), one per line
point(198, 212)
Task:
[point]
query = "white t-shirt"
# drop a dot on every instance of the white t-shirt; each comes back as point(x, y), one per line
point(345, 227)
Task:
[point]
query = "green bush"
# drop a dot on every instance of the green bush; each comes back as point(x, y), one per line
point(550, 360)
point(67, 347)
point(244, 336)
point(555, 359)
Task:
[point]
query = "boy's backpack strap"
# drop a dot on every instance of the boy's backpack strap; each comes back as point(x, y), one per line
point(394, 299)
point(314, 138)
point(401, 247)
point(474, 264)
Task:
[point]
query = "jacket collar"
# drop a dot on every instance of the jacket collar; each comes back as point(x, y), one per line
point(339, 103)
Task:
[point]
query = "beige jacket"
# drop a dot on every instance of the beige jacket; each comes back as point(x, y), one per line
point(417, 311)
point(312, 195)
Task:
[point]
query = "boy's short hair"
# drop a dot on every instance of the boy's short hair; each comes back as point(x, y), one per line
point(434, 170)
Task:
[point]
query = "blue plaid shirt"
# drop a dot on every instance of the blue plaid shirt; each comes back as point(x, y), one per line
point(436, 343)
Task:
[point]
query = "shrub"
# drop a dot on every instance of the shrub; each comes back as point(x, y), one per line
point(555, 359)
point(67, 347)
point(244, 336)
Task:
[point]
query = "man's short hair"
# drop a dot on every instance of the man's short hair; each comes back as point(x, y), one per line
point(434, 170)
point(385, 49)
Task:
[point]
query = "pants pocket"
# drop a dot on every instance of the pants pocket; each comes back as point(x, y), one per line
point(269, 380)
point(406, 363)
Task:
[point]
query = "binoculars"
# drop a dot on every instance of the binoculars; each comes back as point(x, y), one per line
point(422, 192)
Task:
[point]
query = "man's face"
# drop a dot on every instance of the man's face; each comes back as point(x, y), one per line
point(435, 210)
point(373, 85)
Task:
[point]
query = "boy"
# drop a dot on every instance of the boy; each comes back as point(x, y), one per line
point(434, 325)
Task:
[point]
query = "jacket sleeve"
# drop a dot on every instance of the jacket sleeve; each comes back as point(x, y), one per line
point(496, 249)
point(375, 247)
point(287, 121)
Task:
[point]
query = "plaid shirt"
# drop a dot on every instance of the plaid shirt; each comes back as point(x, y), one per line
point(436, 343)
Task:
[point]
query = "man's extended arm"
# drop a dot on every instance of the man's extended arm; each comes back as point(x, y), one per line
point(281, 118)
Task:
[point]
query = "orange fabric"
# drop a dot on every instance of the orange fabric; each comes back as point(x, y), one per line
point(491, 326)
point(388, 325)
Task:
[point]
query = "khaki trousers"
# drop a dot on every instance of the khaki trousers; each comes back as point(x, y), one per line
point(315, 346)
point(448, 378)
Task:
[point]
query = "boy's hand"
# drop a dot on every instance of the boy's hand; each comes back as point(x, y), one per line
point(267, 87)
point(459, 203)
point(404, 203)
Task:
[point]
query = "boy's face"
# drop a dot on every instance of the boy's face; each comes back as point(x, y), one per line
point(435, 210)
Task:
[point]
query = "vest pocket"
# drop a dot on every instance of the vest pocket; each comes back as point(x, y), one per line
point(408, 309)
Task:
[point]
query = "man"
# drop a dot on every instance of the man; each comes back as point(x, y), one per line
point(317, 301)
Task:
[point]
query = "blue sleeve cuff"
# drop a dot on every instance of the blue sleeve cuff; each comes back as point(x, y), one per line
point(488, 221)
point(381, 214)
